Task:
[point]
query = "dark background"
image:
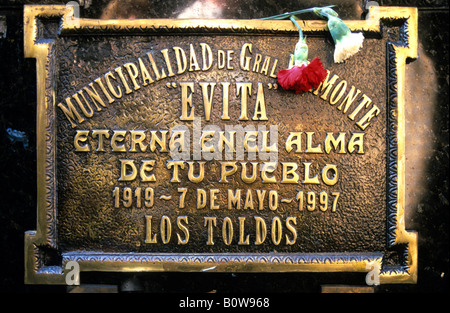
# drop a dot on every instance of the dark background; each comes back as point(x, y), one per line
point(427, 155)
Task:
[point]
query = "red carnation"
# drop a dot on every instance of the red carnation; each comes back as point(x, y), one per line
point(303, 78)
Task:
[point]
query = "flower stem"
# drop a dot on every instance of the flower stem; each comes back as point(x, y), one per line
point(300, 32)
point(289, 14)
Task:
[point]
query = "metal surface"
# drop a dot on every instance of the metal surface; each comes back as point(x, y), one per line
point(114, 96)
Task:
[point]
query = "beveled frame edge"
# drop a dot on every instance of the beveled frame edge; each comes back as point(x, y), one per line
point(223, 262)
point(403, 50)
point(45, 234)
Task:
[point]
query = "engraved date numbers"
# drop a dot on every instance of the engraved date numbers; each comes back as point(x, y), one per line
point(139, 197)
point(322, 201)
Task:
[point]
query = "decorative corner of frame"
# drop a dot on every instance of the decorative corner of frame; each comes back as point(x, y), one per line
point(38, 270)
point(68, 13)
point(405, 273)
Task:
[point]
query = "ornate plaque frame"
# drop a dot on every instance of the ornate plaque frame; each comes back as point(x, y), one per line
point(41, 244)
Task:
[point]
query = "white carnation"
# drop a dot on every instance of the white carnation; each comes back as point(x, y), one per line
point(348, 46)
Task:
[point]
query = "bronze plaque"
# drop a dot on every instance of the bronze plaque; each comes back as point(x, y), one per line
point(168, 145)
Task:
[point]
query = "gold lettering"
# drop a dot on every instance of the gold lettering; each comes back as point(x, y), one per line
point(364, 121)
point(183, 192)
point(201, 174)
point(176, 165)
point(207, 98)
point(124, 81)
point(246, 179)
point(261, 230)
point(207, 136)
point(366, 101)
point(289, 175)
point(234, 200)
point(137, 137)
point(166, 229)
point(273, 200)
point(116, 93)
point(148, 230)
point(220, 59)
point(105, 92)
point(349, 99)
point(258, 60)
point(265, 66)
point(101, 134)
point(207, 56)
point(330, 140)
point(227, 231)
point(162, 142)
point(260, 106)
point(193, 64)
point(327, 84)
point(227, 172)
point(309, 148)
point(155, 68)
point(181, 60)
point(147, 166)
point(124, 175)
point(184, 229)
point(276, 231)
point(167, 60)
point(81, 136)
point(243, 241)
point(251, 136)
point(308, 179)
point(274, 66)
point(228, 142)
point(244, 91)
point(261, 195)
point(229, 59)
point(146, 78)
point(209, 222)
point(295, 138)
point(248, 200)
point(186, 101)
point(201, 198)
point(212, 197)
point(291, 62)
point(177, 141)
point(118, 136)
point(342, 86)
point(95, 97)
point(268, 167)
point(291, 229)
point(243, 60)
point(86, 113)
point(325, 177)
point(264, 139)
point(133, 73)
point(225, 100)
point(357, 139)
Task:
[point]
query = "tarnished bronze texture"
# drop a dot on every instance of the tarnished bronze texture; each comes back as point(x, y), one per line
point(168, 145)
